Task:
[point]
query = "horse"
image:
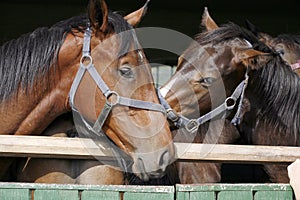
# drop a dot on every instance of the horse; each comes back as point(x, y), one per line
point(90, 65)
point(274, 107)
point(274, 103)
point(201, 72)
point(288, 45)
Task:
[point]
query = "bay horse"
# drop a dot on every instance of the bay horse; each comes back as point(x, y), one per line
point(89, 64)
point(201, 72)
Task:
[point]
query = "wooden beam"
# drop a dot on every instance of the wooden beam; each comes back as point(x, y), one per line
point(237, 153)
point(51, 147)
point(79, 148)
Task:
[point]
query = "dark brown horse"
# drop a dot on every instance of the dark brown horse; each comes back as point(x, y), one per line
point(288, 45)
point(273, 119)
point(208, 71)
point(273, 88)
point(98, 58)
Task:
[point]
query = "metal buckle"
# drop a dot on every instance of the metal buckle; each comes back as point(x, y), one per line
point(172, 115)
point(192, 125)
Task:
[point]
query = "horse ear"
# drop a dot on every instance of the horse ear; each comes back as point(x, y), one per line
point(263, 37)
point(98, 14)
point(207, 21)
point(246, 57)
point(251, 27)
point(135, 17)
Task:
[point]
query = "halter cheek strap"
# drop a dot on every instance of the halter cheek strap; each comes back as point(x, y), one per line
point(119, 100)
point(95, 130)
point(192, 125)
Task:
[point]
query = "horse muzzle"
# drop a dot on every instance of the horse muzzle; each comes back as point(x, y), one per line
point(153, 164)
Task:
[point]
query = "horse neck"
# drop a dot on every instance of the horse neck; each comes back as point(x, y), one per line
point(274, 91)
point(46, 99)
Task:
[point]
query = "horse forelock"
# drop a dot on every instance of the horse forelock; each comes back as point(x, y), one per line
point(29, 61)
point(277, 88)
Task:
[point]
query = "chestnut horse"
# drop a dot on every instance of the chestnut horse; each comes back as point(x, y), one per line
point(201, 72)
point(90, 64)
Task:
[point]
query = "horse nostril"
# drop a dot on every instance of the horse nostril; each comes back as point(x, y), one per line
point(164, 160)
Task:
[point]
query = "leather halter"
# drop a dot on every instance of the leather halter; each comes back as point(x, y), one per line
point(192, 125)
point(96, 128)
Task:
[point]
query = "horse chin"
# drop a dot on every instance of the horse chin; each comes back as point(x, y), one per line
point(139, 169)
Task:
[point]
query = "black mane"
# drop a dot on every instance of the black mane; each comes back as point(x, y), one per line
point(277, 89)
point(29, 61)
point(231, 31)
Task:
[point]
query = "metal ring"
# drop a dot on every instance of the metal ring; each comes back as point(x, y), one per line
point(230, 103)
point(86, 58)
point(112, 103)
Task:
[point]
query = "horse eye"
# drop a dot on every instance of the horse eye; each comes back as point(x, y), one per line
point(126, 71)
point(207, 81)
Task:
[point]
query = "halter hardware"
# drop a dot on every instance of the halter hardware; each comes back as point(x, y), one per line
point(112, 99)
point(192, 125)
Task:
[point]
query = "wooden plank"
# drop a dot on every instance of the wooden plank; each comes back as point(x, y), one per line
point(44, 194)
point(14, 194)
point(84, 192)
point(273, 195)
point(148, 196)
point(51, 147)
point(234, 195)
point(232, 187)
point(79, 148)
point(234, 191)
point(203, 195)
point(236, 153)
point(99, 195)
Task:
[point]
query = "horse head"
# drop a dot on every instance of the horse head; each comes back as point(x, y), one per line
point(95, 67)
point(209, 70)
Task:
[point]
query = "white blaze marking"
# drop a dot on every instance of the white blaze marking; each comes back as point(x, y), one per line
point(164, 91)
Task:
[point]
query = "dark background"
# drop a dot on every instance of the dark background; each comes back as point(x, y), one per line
point(22, 16)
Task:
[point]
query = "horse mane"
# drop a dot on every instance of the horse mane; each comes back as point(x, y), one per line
point(231, 31)
point(277, 89)
point(29, 61)
point(225, 32)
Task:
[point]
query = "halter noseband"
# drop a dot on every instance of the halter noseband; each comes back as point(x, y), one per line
point(96, 129)
point(192, 125)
